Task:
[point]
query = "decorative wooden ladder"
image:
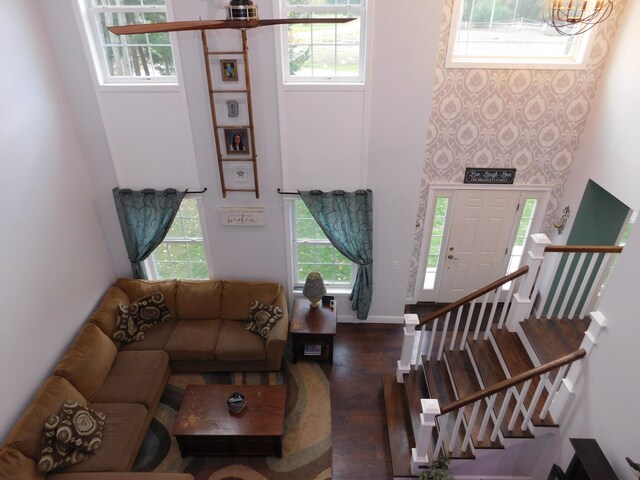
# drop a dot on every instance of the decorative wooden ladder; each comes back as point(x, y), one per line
point(481, 373)
point(221, 130)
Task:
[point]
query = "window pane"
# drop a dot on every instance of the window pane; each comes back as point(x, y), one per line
point(314, 252)
point(504, 31)
point(435, 242)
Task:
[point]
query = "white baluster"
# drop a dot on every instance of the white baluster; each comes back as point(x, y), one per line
point(444, 335)
point(494, 306)
point(487, 415)
point(501, 414)
point(485, 298)
point(467, 324)
point(470, 424)
point(516, 412)
point(536, 396)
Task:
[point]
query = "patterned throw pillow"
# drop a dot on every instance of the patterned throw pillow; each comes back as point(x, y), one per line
point(140, 316)
point(80, 427)
point(55, 454)
point(263, 318)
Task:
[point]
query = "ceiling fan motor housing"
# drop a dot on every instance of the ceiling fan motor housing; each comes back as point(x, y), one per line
point(242, 10)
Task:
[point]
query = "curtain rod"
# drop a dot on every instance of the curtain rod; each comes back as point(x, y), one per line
point(167, 191)
point(318, 192)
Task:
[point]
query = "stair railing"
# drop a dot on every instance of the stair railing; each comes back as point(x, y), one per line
point(579, 275)
point(482, 415)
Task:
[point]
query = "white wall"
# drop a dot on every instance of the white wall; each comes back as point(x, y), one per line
point(608, 392)
point(56, 264)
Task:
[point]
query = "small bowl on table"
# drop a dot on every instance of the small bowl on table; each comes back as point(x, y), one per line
point(236, 402)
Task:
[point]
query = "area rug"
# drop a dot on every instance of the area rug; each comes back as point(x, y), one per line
point(307, 435)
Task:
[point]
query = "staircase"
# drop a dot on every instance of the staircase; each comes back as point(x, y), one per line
point(483, 373)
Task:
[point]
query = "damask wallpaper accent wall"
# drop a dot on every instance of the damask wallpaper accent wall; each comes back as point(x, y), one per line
point(530, 120)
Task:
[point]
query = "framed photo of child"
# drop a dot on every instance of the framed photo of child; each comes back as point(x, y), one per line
point(236, 140)
point(229, 70)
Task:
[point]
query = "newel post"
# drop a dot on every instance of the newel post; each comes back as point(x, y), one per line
point(419, 455)
point(407, 358)
point(522, 301)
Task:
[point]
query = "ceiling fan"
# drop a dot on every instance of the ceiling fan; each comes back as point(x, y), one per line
point(241, 14)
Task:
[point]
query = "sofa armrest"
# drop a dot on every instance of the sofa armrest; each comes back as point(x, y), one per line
point(120, 476)
point(278, 335)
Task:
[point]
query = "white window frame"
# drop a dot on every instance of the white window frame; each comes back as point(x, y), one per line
point(283, 10)
point(88, 14)
point(149, 263)
point(292, 260)
point(575, 62)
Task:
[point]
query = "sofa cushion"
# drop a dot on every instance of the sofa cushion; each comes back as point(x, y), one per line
point(236, 343)
point(194, 340)
point(55, 454)
point(14, 465)
point(198, 299)
point(154, 338)
point(263, 318)
point(141, 288)
point(139, 316)
point(135, 377)
point(106, 314)
point(237, 296)
point(121, 438)
point(26, 435)
point(80, 426)
point(88, 360)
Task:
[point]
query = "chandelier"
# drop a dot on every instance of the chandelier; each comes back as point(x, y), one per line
point(573, 17)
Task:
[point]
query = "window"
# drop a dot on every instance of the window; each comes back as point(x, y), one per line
point(182, 252)
point(312, 252)
point(324, 52)
point(130, 58)
point(501, 33)
point(435, 243)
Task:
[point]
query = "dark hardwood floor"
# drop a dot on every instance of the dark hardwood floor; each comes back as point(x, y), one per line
point(362, 352)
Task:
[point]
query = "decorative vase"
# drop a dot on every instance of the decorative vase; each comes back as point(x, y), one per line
point(314, 289)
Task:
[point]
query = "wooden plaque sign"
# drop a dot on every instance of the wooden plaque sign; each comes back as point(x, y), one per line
point(504, 176)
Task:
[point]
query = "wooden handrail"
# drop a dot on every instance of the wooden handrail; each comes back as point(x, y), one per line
point(582, 249)
point(510, 382)
point(474, 295)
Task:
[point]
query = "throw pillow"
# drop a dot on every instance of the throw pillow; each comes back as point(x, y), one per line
point(54, 454)
point(263, 318)
point(80, 427)
point(140, 316)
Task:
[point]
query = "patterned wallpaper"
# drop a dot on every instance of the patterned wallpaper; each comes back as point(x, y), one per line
point(530, 120)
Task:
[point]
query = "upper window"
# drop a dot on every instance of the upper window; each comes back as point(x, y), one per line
point(509, 33)
point(181, 254)
point(324, 52)
point(130, 58)
point(313, 252)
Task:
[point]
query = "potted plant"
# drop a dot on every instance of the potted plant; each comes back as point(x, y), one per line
point(438, 470)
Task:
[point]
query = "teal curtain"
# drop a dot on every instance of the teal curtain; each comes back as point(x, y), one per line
point(145, 218)
point(346, 218)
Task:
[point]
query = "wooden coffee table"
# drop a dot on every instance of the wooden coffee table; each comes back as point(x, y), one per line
point(205, 426)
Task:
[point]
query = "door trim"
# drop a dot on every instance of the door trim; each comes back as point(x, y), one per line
point(542, 192)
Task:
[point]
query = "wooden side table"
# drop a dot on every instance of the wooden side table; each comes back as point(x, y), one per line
point(312, 331)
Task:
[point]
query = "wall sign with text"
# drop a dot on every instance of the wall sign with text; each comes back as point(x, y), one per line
point(504, 176)
point(242, 216)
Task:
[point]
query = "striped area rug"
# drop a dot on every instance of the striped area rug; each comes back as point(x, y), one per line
point(307, 435)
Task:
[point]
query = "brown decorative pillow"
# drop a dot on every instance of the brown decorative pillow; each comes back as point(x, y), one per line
point(80, 427)
point(55, 454)
point(140, 316)
point(263, 318)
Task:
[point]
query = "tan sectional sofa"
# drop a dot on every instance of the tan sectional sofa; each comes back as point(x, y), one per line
point(206, 332)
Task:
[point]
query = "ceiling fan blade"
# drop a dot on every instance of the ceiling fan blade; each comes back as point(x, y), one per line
point(168, 27)
point(215, 24)
point(287, 21)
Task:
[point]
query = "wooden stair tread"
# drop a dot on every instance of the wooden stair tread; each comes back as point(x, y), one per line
point(415, 389)
point(554, 338)
point(491, 372)
point(517, 361)
point(439, 386)
point(398, 428)
point(466, 383)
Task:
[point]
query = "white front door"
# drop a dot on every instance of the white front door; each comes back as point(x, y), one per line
point(477, 247)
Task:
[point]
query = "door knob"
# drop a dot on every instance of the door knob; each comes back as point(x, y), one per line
point(451, 257)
